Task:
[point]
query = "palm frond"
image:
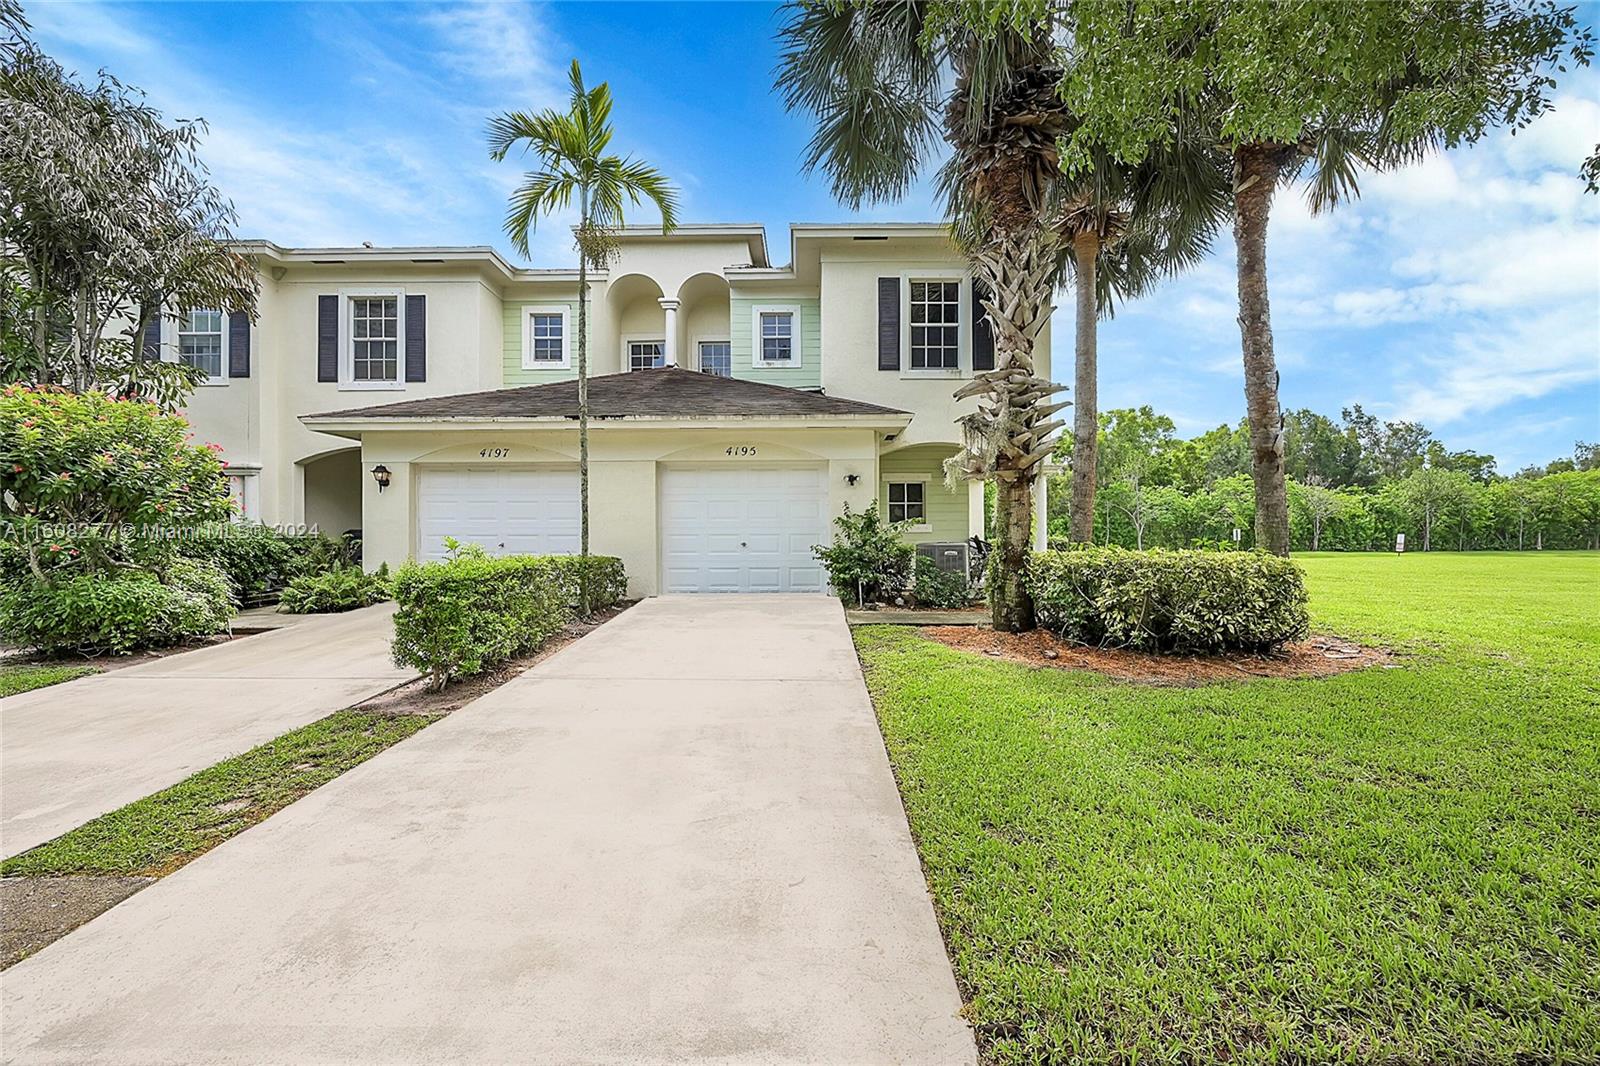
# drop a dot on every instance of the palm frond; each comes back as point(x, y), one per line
point(874, 88)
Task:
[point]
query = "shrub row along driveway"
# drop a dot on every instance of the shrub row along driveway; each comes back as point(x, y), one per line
point(676, 839)
point(71, 752)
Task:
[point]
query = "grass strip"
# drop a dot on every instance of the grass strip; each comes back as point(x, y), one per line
point(156, 835)
point(27, 677)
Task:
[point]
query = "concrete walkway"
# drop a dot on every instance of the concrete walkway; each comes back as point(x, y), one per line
point(73, 751)
point(677, 840)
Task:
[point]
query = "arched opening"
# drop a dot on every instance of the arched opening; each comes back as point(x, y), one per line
point(333, 491)
point(634, 304)
point(705, 340)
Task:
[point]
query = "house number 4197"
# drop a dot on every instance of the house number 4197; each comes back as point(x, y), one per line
point(741, 451)
point(494, 453)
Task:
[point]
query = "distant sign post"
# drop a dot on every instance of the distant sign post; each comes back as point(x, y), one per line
point(1236, 536)
point(1399, 543)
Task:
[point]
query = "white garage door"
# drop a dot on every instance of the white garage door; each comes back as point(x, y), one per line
point(509, 511)
point(742, 529)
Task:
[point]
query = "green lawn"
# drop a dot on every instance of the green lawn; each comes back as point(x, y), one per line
point(1395, 865)
point(29, 676)
point(163, 831)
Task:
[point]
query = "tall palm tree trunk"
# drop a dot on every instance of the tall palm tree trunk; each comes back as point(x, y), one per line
point(1009, 436)
point(1086, 413)
point(583, 401)
point(1256, 169)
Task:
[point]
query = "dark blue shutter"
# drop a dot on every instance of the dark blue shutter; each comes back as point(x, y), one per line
point(416, 338)
point(150, 349)
point(327, 338)
point(888, 323)
point(982, 333)
point(238, 344)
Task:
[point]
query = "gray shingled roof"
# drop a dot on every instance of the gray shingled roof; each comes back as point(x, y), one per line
point(665, 392)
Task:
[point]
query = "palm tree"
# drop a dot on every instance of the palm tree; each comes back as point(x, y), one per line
point(884, 79)
point(571, 150)
point(1131, 227)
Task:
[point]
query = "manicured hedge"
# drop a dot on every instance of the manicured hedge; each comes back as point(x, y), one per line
point(460, 617)
point(1169, 600)
point(606, 580)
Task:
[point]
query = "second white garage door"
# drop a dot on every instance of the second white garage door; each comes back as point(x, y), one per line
point(742, 529)
point(507, 510)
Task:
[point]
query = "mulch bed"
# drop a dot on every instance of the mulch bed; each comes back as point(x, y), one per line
point(1318, 656)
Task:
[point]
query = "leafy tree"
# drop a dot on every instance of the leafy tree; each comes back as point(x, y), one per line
point(1132, 443)
point(1315, 447)
point(883, 80)
point(1304, 88)
point(1319, 504)
point(574, 164)
point(107, 216)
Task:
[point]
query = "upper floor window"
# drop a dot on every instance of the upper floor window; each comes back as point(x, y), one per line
point(716, 358)
point(643, 355)
point(200, 341)
point(777, 336)
point(544, 339)
point(935, 325)
point(375, 339)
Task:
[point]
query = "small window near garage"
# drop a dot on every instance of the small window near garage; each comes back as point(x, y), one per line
point(544, 339)
point(200, 338)
point(644, 355)
point(935, 325)
point(906, 503)
point(375, 339)
point(716, 358)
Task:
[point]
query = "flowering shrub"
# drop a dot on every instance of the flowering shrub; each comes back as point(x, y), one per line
point(92, 483)
point(97, 497)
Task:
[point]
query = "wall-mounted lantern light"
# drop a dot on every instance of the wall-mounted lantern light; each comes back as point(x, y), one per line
point(851, 479)
point(380, 474)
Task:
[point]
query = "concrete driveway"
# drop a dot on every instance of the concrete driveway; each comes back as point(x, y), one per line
point(677, 840)
point(73, 751)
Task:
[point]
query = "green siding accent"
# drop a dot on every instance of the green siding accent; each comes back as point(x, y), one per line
point(808, 375)
point(946, 509)
point(512, 349)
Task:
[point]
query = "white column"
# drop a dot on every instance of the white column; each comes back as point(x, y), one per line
point(669, 352)
point(975, 509)
point(1041, 517)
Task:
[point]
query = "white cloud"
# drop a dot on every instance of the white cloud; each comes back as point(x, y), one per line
point(1482, 369)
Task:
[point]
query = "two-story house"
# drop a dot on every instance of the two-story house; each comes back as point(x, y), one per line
point(736, 407)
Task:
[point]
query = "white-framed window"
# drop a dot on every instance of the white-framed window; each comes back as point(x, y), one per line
point(775, 336)
point(716, 358)
point(371, 329)
point(646, 354)
point(908, 502)
point(935, 324)
point(203, 342)
point(546, 339)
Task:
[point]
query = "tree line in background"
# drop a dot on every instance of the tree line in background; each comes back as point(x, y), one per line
point(1352, 485)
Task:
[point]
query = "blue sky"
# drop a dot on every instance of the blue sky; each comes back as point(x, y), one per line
point(1463, 292)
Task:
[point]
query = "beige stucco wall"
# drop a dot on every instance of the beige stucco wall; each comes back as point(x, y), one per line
point(624, 469)
point(850, 273)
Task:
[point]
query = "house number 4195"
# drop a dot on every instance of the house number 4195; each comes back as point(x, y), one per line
point(741, 451)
